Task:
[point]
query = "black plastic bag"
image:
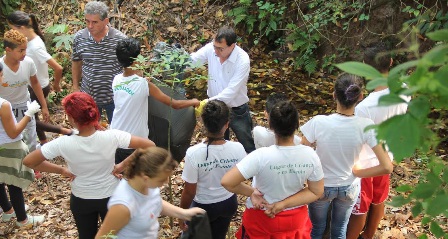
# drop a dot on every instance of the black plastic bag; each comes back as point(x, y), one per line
point(198, 228)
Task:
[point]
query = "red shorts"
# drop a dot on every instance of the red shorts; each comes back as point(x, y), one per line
point(373, 191)
point(290, 224)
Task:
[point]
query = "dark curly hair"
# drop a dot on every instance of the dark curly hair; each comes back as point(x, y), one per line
point(127, 50)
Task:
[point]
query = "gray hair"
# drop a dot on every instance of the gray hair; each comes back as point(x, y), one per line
point(96, 8)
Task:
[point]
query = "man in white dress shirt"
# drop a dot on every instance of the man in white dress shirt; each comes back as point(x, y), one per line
point(228, 72)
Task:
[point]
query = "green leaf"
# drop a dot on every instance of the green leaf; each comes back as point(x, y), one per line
point(399, 201)
point(423, 236)
point(437, 55)
point(436, 229)
point(402, 134)
point(390, 99)
point(445, 175)
point(420, 107)
point(438, 205)
point(426, 220)
point(417, 209)
point(423, 191)
point(404, 188)
point(360, 69)
point(440, 35)
point(371, 85)
point(397, 70)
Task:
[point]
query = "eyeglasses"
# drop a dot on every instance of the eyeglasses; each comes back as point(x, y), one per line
point(220, 48)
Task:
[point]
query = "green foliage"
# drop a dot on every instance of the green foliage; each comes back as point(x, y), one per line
point(272, 20)
point(426, 19)
point(8, 6)
point(414, 132)
point(268, 15)
point(62, 39)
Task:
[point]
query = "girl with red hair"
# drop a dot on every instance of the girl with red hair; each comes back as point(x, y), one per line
point(90, 157)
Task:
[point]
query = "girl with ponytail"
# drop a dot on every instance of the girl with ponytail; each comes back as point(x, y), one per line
point(205, 164)
point(27, 25)
point(279, 173)
point(339, 138)
point(136, 204)
point(90, 157)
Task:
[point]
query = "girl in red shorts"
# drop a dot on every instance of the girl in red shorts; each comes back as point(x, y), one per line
point(277, 203)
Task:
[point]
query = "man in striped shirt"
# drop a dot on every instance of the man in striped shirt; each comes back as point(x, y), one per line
point(94, 61)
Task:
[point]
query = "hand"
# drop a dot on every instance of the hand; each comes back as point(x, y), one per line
point(45, 115)
point(273, 209)
point(183, 226)
point(195, 102)
point(189, 213)
point(258, 200)
point(56, 88)
point(66, 173)
point(198, 110)
point(118, 169)
point(33, 108)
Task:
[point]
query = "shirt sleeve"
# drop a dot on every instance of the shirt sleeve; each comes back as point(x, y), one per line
point(249, 165)
point(369, 136)
point(308, 130)
point(51, 149)
point(200, 57)
point(76, 56)
point(361, 111)
point(42, 55)
point(33, 69)
point(123, 138)
point(190, 172)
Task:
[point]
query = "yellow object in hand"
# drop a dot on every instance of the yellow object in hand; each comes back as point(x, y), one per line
point(198, 110)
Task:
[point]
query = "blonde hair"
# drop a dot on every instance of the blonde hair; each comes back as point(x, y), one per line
point(13, 38)
point(150, 162)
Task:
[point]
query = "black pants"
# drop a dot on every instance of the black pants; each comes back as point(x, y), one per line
point(42, 127)
point(220, 214)
point(86, 212)
point(17, 201)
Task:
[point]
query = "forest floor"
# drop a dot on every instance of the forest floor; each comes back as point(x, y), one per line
point(192, 23)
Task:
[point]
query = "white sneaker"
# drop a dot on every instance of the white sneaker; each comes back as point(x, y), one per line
point(7, 217)
point(32, 221)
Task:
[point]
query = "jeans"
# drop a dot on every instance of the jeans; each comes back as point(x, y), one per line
point(241, 125)
point(343, 199)
point(109, 107)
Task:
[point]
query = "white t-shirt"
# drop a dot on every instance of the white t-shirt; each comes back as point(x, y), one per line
point(37, 51)
point(280, 171)
point(91, 159)
point(4, 138)
point(264, 137)
point(131, 105)
point(14, 87)
point(144, 210)
point(227, 82)
point(368, 108)
point(208, 173)
point(338, 142)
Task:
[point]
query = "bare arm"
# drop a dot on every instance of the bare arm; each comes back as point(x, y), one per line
point(305, 141)
point(303, 197)
point(37, 161)
point(185, 200)
point(155, 92)
point(37, 88)
point(233, 180)
point(76, 75)
point(170, 210)
point(385, 166)
point(136, 142)
point(12, 130)
point(57, 73)
point(117, 217)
